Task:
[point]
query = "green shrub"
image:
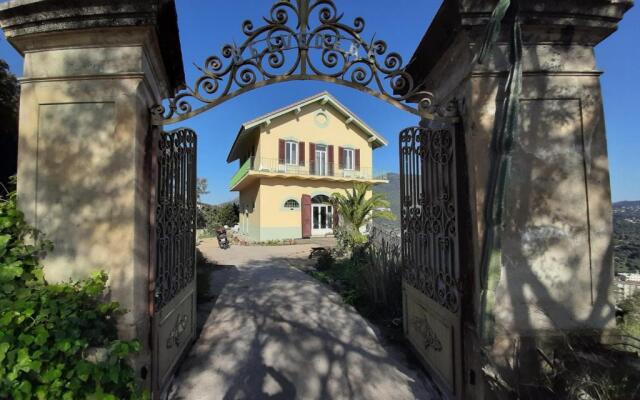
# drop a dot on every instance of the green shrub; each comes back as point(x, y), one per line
point(345, 277)
point(325, 261)
point(350, 241)
point(212, 217)
point(630, 325)
point(57, 341)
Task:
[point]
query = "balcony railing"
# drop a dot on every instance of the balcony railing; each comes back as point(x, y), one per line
point(275, 166)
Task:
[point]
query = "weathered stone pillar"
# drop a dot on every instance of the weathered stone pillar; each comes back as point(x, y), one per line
point(91, 73)
point(556, 236)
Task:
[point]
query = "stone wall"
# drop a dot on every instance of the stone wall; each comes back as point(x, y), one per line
point(556, 236)
point(90, 76)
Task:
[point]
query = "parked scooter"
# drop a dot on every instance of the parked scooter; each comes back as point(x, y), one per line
point(221, 235)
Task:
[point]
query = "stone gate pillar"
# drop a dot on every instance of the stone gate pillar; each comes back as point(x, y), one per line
point(91, 74)
point(556, 237)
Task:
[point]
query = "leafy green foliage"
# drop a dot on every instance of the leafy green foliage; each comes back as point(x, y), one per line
point(630, 324)
point(325, 261)
point(356, 210)
point(202, 188)
point(9, 99)
point(57, 341)
point(345, 277)
point(626, 236)
point(217, 216)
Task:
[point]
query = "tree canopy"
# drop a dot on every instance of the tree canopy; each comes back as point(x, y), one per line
point(9, 101)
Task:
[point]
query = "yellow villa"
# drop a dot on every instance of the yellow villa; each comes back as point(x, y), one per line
point(291, 161)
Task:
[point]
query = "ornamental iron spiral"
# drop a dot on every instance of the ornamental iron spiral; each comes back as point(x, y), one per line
point(301, 40)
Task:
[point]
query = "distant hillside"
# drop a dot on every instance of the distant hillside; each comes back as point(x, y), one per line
point(626, 236)
point(224, 203)
point(626, 225)
point(391, 191)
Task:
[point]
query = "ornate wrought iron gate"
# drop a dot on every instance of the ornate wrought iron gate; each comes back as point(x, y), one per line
point(431, 250)
point(174, 281)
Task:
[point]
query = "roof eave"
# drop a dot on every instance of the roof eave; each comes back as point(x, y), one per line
point(232, 156)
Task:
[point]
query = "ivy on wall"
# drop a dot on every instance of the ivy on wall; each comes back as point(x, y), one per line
point(57, 341)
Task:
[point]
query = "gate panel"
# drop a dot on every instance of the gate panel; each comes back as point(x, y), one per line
point(174, 292)
point(432, 290)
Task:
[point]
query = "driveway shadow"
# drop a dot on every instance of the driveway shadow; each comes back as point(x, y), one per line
point(269, 331)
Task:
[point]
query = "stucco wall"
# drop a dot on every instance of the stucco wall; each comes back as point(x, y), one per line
point(310, 128)
point(271, 220)
point(250, 211)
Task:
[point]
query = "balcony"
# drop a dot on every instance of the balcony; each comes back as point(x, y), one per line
point(266, 167)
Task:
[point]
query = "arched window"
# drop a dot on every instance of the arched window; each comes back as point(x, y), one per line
point(291, 204)
point(320, 199)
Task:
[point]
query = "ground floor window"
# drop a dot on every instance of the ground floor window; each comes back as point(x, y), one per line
point(291, 204)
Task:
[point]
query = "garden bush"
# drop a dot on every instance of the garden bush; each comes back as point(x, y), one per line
point(630, 323)
point(325, 261)
point(213, 217)
point(57, 341)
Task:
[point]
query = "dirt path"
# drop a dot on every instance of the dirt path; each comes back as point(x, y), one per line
point(272, 332)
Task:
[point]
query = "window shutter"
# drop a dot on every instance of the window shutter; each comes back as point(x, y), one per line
point(330, 159)
point(305, 214)
point(281, 151)
point(312, 158)
point(341, 157)
point(301, 153)
point(357, 159)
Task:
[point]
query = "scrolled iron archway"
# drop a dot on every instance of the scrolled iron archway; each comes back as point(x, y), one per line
point(308, 40)
point(301, 40)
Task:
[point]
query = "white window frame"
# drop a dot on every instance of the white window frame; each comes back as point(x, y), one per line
point(349, 158)
point(321, 168)
point(291, 151)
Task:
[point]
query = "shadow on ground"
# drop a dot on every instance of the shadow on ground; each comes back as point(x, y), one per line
point(268, 331)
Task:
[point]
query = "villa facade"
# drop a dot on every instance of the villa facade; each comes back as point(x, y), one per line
point(292, 160)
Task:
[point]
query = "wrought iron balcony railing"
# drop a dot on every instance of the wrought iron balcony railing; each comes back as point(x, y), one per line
point(311, 168)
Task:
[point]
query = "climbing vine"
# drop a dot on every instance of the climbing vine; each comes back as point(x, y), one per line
point(57, 341)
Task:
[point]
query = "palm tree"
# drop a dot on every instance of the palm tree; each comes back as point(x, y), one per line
point(356, 210)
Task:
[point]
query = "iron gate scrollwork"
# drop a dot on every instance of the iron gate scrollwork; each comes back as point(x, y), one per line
point(430, 246)
point(431, 249)
point(174, 281)
point(175, 215)
point(299, 40)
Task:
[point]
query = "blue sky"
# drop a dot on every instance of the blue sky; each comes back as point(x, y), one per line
point(205, 26)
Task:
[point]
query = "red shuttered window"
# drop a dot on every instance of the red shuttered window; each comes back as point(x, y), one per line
point(330, 159)
point(281, 151)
